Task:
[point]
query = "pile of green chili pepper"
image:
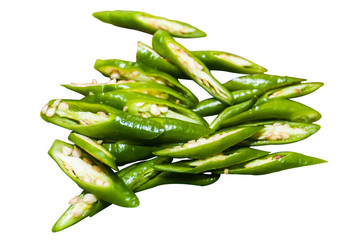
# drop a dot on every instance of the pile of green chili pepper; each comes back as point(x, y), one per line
point(127, 131)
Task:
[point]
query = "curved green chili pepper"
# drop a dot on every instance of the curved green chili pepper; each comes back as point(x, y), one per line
point(231, 111)
point(211, 163)
point(282, 109)
point(264, 82)
point(166, 46)
point(151, 88)
point(120, 69)
point(94, 149)
point(87, 204)
point(289, 92)
point(179, 178)
point(271, 163)
point(99, 121)
point(92, 176)
point(212, 106)
point(209, 146)
point(145, 106)
point(280, 132)
point(217, 60)
point(148, 23)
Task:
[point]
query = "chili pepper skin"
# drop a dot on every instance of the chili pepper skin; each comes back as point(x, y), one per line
point(211, 145)
point(81, 208)
point(94, 149)
point(151, 88)
point(177, 131)
point(281, 109)
point(217, 60)
point(230, 112)
point(92, 176)
point(121, 69)
point(271, 163)
point(148, 23)
point(292, 91)
point(145, 106)
point(99, 121)
point(264, 82)
point(146, 55)
point(166, 46)
point(280, 132)
point(179, 178)
point(212, 106)
point(211, 163)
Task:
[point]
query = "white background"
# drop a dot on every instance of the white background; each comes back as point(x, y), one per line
point(47, 43)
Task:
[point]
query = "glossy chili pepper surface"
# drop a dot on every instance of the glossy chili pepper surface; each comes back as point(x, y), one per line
point(211, 163)
point(230, 112)
point(166, 46)
point(264, 82)
point(145, 106)
point(212, 106)
point(280, 132)
point(148, 23)
point(92, 147)
point(271, 163)
point(211, 145)
point(281, 109)
point(87, 204)
point(120, 69)
point(292, 91)
point(99, 121)
point(92, 176)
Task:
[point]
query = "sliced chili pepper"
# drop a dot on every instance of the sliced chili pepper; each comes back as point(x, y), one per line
point(120, 69)
point(211, 145)
point(148, 23)
point(212, 106)
point(99, 121)
point(260, 81)
point(92, 147)
point(92, 176)
point(230, 112)
point(211, 163)
point(282, 109)
point(151, 88)
point(280, 132)
point(145, 106)
point(271, 163)
point(166, 46)
point(87, 204)
point(289, 92)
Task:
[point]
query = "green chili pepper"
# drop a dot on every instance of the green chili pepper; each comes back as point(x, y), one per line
point(280, 132)
point(99, 121)
point(92, 176)
point(212, 106)
point(211, 163)
point(151, 88)
point(271, 163)
point(166, 46)
point(289, 92)
point(217, 60)
point(94, 149)
point(230, 112)
point(177, 131)
point(263, 82)
point(145, 106)
point(211, 145)
point(179, 178)
point(148, 23)
point(87, 204)
point(282, 109)
point(120, 69)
